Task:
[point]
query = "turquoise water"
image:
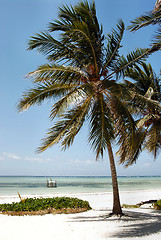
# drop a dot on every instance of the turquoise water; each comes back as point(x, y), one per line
point(65, 185)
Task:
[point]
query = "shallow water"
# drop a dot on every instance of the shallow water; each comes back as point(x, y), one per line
point(65, 185)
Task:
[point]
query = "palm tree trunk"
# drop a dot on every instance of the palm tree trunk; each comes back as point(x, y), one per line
point(116, 199)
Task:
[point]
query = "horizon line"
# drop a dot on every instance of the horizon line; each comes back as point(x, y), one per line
point(78, 176)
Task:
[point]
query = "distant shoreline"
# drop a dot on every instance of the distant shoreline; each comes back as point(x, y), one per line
point(75, 176)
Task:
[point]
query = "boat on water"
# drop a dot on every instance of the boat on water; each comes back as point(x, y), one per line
point(51, 183)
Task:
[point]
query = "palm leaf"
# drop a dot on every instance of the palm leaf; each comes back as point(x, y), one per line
point(130, 149)
point(156, 42)
point(80, 27)
point(124, 63)
point(74, 96)
point(125, 127)
point(57, 73)
point(67, 128)
point(82, 12)
point(143, 103)
point(101, 128)
point(153, 140)
point(145, 106)
point(41, 92)
point(114, 40)
point(151, 17)
point(143, 77)
point(56, 50)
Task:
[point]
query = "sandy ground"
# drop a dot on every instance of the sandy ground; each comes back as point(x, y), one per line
point(142, 223)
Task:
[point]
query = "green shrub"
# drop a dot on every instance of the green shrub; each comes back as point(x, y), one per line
point(37, 204)
point(130, 206)
point(157, 205)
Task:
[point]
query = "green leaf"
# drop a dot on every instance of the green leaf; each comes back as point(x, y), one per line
point(41, 92)
point(101, 127)
point(152, 17)
point(67, 129)
point(114, 40)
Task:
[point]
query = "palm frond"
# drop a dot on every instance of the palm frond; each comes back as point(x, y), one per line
point(153, 140)
point(145, 106)
point(156, 42)
point(114, 40)
point(66, 16)
point(44, 43)
point(143, 77)
point(41, 92)
point(151, 17)
point(74, 97)
point(84, 11)
point(142, 122)
point(125, 127)
point(80, 27)
point(110, 86)
point(124, 63)
point(101, 128)
point(66, 129)
point(130, 149)
point(56, 50)
point(57, 73)
point(143, 103)
point(81, 34)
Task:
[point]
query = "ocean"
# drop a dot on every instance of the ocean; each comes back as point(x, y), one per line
point(66, 185)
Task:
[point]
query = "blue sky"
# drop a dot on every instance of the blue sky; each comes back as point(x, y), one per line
point(20, 133)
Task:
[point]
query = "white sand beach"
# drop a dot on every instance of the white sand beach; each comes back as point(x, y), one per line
point(142, 223)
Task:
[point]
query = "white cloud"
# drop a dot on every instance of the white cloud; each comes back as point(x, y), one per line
point(34, 159)
point(11, 155)
point(89, 162)
point(77, 161)
point(17, 157)
point(147, 164)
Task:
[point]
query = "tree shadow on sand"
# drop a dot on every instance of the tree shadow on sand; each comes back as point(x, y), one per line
point(132, 224)
point(139, 225)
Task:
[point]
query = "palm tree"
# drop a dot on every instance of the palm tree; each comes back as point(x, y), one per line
point(153, 17)
point(81, 80)
point(145, 85)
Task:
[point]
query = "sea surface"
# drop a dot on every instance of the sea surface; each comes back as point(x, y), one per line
point(65, 185)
